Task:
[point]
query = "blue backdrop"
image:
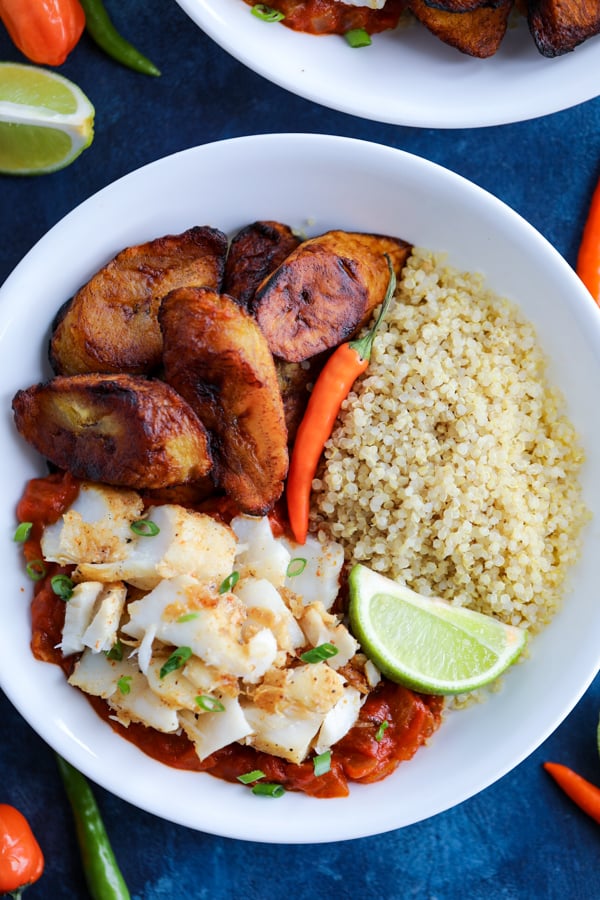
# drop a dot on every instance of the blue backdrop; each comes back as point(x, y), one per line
point(519, 838)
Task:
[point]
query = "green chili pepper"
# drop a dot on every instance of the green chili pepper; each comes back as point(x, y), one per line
point(101, 29)
point(102, 873)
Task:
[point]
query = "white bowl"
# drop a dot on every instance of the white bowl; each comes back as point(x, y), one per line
point(329, 182)
point(407, 76)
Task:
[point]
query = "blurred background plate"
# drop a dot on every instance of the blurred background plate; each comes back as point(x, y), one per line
point(407, 76)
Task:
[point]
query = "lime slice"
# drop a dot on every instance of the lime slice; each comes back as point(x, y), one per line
point(426, 643)
point(45, 120)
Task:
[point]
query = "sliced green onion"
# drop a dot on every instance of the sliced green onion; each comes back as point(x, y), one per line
point(296, 566)
point(265, 789)
point(266, 13)
point(249, 777)
point(210, 704)
point(22, 532)
point(188, 617)
point(124, 684)
point(381, 730)
point(116, 651)
point(177, 659)
point(36, 569)
point(318, 654)
point(229, 583)
point(145, 528)
point(322, 763)
point(358, 37)
point(62, 586)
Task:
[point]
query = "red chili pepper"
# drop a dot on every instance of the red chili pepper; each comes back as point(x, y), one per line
point(585, 794)
point(588, 258)
point(331, 387)
point(45, 31)
point(21, 859)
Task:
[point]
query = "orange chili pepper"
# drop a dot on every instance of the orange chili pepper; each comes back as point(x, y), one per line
point(331, 387)
point(45, 31)
point(585, 794)
point(588, 257)
point(21, 859)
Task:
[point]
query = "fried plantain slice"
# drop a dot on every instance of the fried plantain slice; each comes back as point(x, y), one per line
point(462, 5)
point(325, 291)
point(254, 253)
point(558, 26)
point(110, 325)
point(119, 429)
point(217, 358)
point(477, 33)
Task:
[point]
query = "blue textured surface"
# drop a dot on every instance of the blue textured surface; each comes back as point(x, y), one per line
point(519, 838)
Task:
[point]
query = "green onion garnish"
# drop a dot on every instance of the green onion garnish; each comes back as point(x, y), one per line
point(188, 617)
point(22, 532)
point(62, 586)
point(124, 684)
point(210, 704)
point(266, 13)
point(322, 763)
point(381, 730)
point(296, 566)
point(318, 654)
point(358, 37)
point(36, 569)
point(145, 528)
point(249, 777)
point(177, 659)
point(264, 789)
point(116, 651)
point(229, 583)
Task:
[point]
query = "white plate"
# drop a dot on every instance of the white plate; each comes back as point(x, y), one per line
point(230, 184)
point(407, 76)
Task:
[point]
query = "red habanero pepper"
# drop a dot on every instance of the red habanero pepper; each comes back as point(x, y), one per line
point(588, 256)
point(585, 794)
point(331, 388)
point(21, 859)
point(45, 31)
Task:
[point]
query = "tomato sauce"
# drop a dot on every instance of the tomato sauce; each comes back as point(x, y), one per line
point(367, 753)
point(330, 17)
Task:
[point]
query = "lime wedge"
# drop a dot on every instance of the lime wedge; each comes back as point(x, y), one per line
point(426, 643)
point(46, 121)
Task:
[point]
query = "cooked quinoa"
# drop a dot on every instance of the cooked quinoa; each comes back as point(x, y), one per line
point(453, 467)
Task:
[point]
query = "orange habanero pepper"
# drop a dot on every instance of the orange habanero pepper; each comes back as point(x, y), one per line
point(21, 860)
point(45, 31)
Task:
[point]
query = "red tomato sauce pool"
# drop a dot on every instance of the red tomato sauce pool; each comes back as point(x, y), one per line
point(393, 722)
point(330, 17)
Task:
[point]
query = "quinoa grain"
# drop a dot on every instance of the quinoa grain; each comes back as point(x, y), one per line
point(453, 467)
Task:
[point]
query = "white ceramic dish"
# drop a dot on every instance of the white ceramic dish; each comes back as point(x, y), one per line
point(407, 76)
point(402, 195)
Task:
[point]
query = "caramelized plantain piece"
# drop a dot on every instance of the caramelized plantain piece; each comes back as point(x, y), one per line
point(558, 26)
point(325, 291)
point(462, 5)
point(110, 325)
point(254, 253)
point(478, 32)
point(191, 494)
point(216, 357)
point(118, 429)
